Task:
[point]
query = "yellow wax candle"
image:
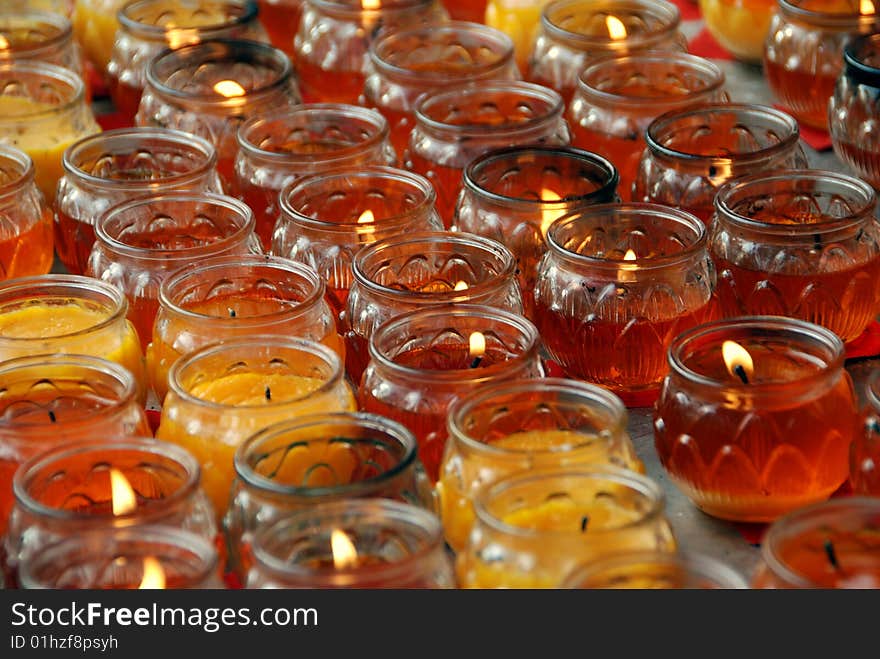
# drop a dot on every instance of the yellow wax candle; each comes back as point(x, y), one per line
point(95, 25)
point(740, 26)
point(519, 19)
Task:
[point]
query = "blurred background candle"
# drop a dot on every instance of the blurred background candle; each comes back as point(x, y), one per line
point(864, 465)
point(740, 26)
point(94, 26)
point(281, 20)
point(518, 19)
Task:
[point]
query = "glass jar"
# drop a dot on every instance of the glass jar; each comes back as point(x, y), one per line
point(408, 64)
point(94, 28)
point(298, 464)
point(210, 88)
point(234, 297)
point(147, 27)
point(420, 270)
point(533, 528)
point(223, 393)
point(656, 570)
point(618, 97)
point(574, 32)
point(281, 20)
point(799, 243)
point(854, 108)
point(140, 242)
point(864, 465)
point(421, 360)
point(26, 243)
point(803, 53)
point(326, 218)
point(756, 416)
point(518, 19)
point(274, 151)
point(513, 195)
point(691, 153)
point(739, 26)
point(456, 125)
point(40, 35)
point(617, 285)
point(332, 44)
point(498, 429)
point(43, 110)
point(394, 545)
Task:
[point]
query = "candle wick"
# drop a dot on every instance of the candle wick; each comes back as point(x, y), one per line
point(741, 373)
point(832, 555)
point(51, 416)
point(476, 362)
point(268, 393)
point(231, 312)
point(817, 241)
point(584, 521)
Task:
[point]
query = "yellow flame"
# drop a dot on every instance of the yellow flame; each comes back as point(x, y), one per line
point(735, 355)
point(549, 215)
point(344, 553)
point(630, 255)
point(616, 28)
point(371, 4)
point(4, 42)
point(461, 286)
point(178, 38)
point(477, 344)
point(229, 88)
point(367, 218)
point(122, 496)
point(154, 575)
point(866, 8)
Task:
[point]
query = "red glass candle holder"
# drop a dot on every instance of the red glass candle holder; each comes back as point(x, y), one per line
point(281, 20)
point(864, 466)
point(45, 36)
point(274, 151)
point(799, 243)
point(756, 416)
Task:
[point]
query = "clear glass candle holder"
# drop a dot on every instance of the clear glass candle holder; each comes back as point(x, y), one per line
point(498, 429)
point(864, 466)
point(389, 545)
point(739, 26)
point(275, 150)
point(756, 416)
point(656, 571)
point(421, 360)
point(43, 36)
point(140, 242)
point(117, 165)
point(94, 27)
point(281, 20)
point(421, 270)
point(691, 153)
point(799, 243)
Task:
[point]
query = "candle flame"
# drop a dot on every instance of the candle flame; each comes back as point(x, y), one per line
point(4, 42)
point(461, 286)
point(477, 344)
point(154, 575)
point(366, 217)
point(735, 355)
point(344, 552)
point(866, 8)
point(630, 255)
point(229, 88)
point(616, 28)
point(177, 38)
point(122, 497)
point(371, 4)
point(549, 215)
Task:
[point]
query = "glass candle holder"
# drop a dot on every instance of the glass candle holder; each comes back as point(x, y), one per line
point(94, 27)
point(532, 529)
point(855, 105)
point(296, 465)
point(147, 27)
point(739, 26)
point(421, 360)
point(618, 284)
point(281, 20)
point(828, 545)
point(274, 151)
point(618, 97)
point(498, 429)
point(208, 89)
point(331, 48)
point(389, 545)
point(40, 35)
point(26, 244)
point(117, 165)
point(519, 20)
point(574, 32)
point(221, 394)
point(803, 53)
point(325, 219)
point(513, 195)
point(422, 270)
point(798, 243)
point(756, 416)
point(140, 242)
point(691, 153)
point(455, 126)
point(43, 110)
point(408, 64)
point(864, 466)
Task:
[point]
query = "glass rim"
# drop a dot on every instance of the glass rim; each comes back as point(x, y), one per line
point(24, 162)
point(354, 8)
point(840, 20)
point(46, 70)
point(249, 13)
point(56, 20)
point(872, 389)
point(667, 13)
point(855, 65)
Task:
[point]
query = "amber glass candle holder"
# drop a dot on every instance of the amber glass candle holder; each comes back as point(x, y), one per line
point(691, 153)
point(533, 528)
point(43, 110)
point(408, 64)
point(115, 166)
point(221, 394)
point(574, 32)
point(235, 297)
point(208, 89)
point(274, 151)
point(854, 107)
point(618, 97)
point(140, 242)
point(739, 26)
point(389, 545)
point(147, 27)
point(94, 27)
point(422, 270)
point(26, 243)
point(756, 416)
point(326, 219)
point(799, 243)
point(40, 35)
point(864, 475)
point(455, 126)
point(498, 429)
point(618, 284)
point(828, 545)
point(296, 465)
point(331, 48)
point(421, 360)
point(281, 20)
point(803, 53)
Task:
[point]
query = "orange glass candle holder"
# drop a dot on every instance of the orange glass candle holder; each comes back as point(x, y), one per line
point(864, 466)
point(779, 239)
point(40, 35)
point(756, 416)
point(740, 26)
point(274, 151)
point(94, 26)
point(363, 543)
point(518, 19)
point(281, 20)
